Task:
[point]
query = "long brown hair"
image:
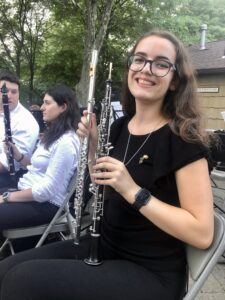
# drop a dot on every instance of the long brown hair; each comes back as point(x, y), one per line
point(67, 120)
point(181, 106)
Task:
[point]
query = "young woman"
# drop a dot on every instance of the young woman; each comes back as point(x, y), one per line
point(42, 189)
point(157, 198)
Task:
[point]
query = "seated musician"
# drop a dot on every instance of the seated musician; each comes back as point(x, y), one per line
point(42, 189)
point(24, 130)
point(157, 193)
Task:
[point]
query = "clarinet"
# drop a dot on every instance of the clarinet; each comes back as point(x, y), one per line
point(83, 157)
point(103, 149)
point(8, 134)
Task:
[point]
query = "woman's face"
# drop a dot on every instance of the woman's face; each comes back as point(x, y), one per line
point(50, 108)
point(145, 86)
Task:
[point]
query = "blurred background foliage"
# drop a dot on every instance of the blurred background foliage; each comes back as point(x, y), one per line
point(49, 42)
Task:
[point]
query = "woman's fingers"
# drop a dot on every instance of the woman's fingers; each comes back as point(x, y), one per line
point(110, 171)
point(82, 130)
point(85, 126)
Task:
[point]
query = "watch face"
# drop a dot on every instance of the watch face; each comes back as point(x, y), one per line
point(142, 198)
point(145, 195)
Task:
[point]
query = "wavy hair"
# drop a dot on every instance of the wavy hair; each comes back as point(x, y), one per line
point(180, 106)
point(67, 120)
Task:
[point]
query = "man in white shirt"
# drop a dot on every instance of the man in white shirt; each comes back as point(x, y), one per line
point(24, 130)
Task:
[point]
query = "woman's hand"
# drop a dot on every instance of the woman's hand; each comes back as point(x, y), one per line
point(110, 171)
point(88, 128)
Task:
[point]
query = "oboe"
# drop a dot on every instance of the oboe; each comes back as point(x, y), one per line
point(8, 134)
point(103, 149)
point(83, 158)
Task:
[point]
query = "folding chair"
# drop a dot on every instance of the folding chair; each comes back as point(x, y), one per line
point(218, 187)
point(202, 262)
point(61, 222)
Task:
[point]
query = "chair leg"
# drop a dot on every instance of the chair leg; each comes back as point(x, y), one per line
point(9, 243)
point(11, 247)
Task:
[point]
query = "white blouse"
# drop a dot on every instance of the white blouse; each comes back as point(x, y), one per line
point(51, 170)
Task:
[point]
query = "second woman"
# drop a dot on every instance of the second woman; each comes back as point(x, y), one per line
point(42, 189)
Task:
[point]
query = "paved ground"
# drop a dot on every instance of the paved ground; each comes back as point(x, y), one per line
point(214, 288)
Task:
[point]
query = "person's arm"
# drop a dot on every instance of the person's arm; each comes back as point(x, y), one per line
point(25, 132)
point(19, 196)
point(19, 157)
point(192, 222)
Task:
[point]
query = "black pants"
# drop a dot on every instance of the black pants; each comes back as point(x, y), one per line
point(25, 214)
point(58, 272)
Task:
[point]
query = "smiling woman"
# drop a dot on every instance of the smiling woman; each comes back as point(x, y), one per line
point(157, 192)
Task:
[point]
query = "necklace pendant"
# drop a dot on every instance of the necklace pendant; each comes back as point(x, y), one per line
point(142, 158)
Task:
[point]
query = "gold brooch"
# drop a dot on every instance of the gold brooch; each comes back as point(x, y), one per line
point(142, 158)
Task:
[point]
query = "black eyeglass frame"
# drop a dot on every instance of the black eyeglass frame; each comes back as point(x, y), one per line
point(129, 63)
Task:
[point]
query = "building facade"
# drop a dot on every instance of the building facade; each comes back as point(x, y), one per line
point(209, 61)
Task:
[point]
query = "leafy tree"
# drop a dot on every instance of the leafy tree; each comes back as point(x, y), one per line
point(21, 34)
point(48, 42)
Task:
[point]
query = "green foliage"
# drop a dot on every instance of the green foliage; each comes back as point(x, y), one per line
point(60, 41)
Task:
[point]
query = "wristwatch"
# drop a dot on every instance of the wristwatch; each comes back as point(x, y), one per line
point(142, 197)
point(5, 196)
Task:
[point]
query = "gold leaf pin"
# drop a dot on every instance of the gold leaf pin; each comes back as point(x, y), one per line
point(142, 158)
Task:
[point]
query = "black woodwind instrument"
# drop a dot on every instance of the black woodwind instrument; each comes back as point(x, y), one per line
point(83, 158)
point(8, 134)
point(103, 149)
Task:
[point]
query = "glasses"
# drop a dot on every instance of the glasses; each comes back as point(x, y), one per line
point(158, 67)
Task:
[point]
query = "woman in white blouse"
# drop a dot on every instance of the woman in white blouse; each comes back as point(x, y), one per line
point(42, 189)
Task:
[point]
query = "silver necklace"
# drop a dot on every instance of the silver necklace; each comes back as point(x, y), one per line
point(128, 142)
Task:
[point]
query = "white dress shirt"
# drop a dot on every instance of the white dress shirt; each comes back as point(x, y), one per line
point(24, 130)
point(51, 170)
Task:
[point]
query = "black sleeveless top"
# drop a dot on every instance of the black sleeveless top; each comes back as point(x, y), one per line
point(126, 232)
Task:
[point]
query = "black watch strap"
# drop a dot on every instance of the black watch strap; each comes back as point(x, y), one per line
point(142, 197)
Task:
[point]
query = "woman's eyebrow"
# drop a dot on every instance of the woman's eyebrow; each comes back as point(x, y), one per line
point(157, 57)
point(163, 57)
point(141, 53)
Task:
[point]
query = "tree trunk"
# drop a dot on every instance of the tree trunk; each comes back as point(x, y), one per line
point(93, 40)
